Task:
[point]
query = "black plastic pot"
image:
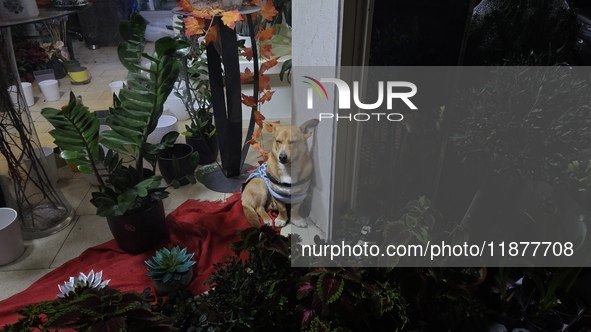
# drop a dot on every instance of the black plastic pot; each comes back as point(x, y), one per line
point(538, 321)
point(207, 147)
point(508, 314)
point(569, 308)
point(139, 231)
point(59, 70)
point(168, 167)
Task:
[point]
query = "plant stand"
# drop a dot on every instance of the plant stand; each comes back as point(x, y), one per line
point(41, 207)
point(227, 105)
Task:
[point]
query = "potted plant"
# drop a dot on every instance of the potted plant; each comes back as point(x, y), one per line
point(170, 270)
point(540, 315)
point(200, 133)
point(130, 200)
point(56, 49)
point(30, 57)
point(504, 303)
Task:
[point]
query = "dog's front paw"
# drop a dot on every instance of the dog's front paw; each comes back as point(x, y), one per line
point(299, 222)
point(280, 222)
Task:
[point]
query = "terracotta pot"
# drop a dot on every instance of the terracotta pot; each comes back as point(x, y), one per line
point(139, 231)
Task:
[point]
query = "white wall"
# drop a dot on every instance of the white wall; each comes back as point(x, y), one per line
point(315, 42)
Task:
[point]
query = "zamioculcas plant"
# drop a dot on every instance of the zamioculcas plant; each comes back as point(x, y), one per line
point(123, 188)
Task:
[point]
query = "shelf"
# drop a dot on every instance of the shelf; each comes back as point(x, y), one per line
point(44, 14)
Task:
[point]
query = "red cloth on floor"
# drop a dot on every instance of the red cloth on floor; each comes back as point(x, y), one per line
point(205, 228)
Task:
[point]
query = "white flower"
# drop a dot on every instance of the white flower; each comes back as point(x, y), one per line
point(75, 285)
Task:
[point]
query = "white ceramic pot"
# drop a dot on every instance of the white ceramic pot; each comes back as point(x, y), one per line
point(176, 107)
point(47, 162)
point(116, 86)
point(166, 124)
point(11, 238)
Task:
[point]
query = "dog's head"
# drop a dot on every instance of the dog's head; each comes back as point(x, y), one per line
point(290, 142)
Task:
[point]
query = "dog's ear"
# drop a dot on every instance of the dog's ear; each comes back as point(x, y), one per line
point(308, 127)
point(272, 126)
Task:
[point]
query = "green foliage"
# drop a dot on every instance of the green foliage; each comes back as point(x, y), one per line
point(285, 71)
point(579, 173)
point(523, 32)
point(185, 311)
point(195, 93)
point(134, 116)
point(130, 50)
point(548, 282)
point(255, 293)
point(525, 122)
point(32, 319)
point(415, 225)
point(169, 265)
point(445, 302)
point(343, 299)
point(284, 10)
point(261, 240)
point(93, 310)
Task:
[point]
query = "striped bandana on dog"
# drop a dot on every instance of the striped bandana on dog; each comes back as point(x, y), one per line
point(261, 172)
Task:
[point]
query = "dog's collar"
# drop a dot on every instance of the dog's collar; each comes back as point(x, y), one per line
point(276, 181)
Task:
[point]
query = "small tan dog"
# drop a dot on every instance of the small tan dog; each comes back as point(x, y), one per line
point(281, 183)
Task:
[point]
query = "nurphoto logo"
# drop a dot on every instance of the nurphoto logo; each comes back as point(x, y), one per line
point(391, 92)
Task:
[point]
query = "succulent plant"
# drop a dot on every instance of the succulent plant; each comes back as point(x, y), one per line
point(77, 285)
point(169, 265)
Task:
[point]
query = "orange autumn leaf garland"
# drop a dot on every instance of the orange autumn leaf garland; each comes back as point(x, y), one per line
point(196, 25)
point(268, 11)
point(230, 18)
point(264, 34)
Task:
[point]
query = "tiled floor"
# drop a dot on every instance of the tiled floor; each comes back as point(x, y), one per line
point(43, 255)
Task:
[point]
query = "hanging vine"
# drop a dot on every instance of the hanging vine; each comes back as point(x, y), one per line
point(200, 23)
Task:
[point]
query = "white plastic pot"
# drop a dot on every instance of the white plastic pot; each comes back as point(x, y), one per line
point(50, 89)
point(11, 238)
